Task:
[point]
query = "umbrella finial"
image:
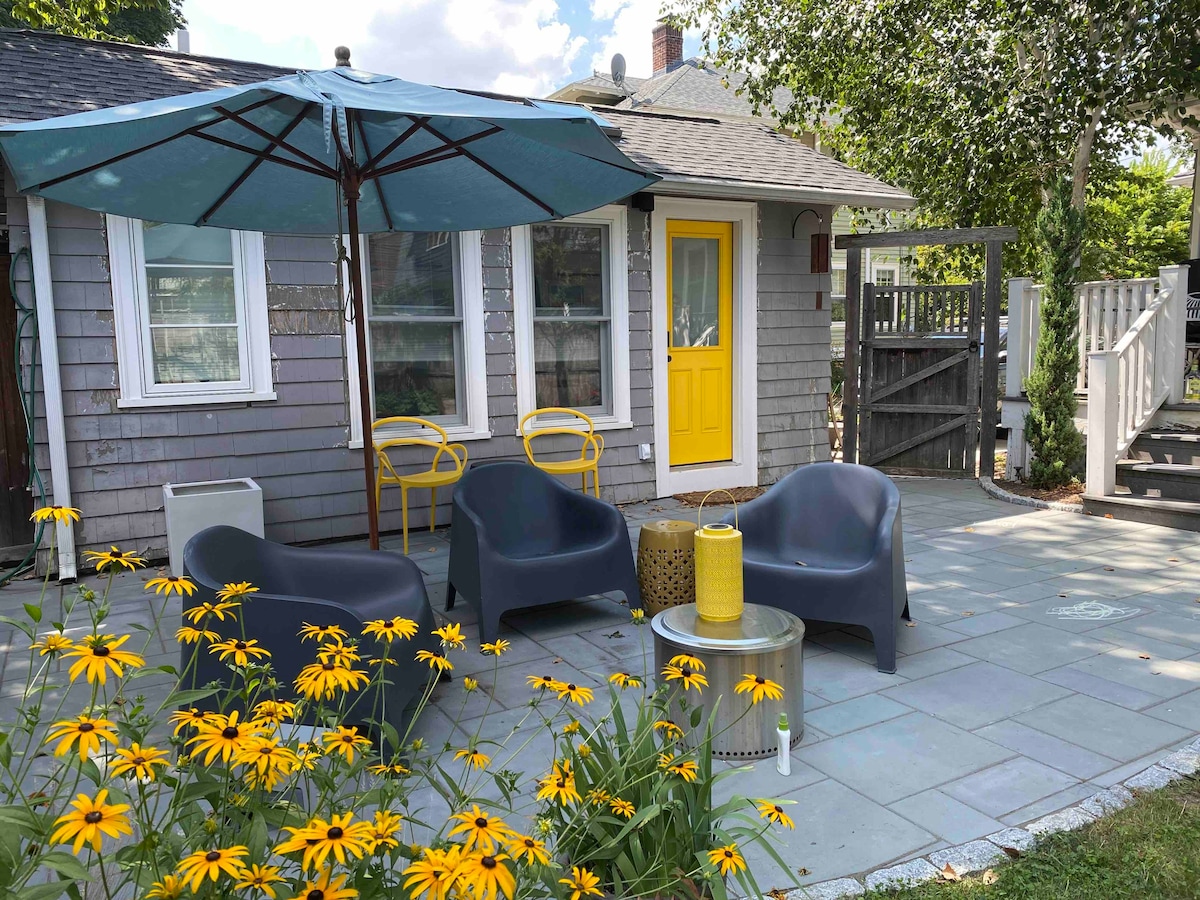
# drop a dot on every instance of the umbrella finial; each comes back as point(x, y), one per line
point(343, 56)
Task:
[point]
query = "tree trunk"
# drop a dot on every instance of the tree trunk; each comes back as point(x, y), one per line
point(1082, 163)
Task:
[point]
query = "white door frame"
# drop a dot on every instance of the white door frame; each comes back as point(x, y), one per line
point(742, 470)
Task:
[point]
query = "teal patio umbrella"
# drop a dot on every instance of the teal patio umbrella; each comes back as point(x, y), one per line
point(295, 154)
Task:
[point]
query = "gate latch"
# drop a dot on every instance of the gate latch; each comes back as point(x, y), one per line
point(973, 346)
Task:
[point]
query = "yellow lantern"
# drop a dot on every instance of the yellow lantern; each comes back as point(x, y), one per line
point(719, 596)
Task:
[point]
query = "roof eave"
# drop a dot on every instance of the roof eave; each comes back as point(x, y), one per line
point(693, 186)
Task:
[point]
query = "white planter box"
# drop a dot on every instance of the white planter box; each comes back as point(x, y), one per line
point(192, 507)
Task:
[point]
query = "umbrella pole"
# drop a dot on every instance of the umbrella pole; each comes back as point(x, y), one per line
point(350, 188)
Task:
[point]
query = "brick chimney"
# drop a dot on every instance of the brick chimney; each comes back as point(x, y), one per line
point(668, 47)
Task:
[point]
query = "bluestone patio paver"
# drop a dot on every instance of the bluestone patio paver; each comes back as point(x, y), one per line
point(999, 698)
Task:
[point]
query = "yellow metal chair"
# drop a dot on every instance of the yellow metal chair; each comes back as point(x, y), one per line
point(433, 479)
point(580, 466)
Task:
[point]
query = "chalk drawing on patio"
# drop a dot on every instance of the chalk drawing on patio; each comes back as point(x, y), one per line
point(1093, 610)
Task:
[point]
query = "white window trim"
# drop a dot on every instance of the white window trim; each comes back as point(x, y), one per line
point(127, 273)
point(476, 426)
point(886, 267)
point(742, 470)
point(616, 217)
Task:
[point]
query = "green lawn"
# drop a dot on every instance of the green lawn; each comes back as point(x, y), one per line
point(1151, 850)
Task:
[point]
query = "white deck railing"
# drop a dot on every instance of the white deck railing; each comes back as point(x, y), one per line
point(1128, 381)
point(1107, 310)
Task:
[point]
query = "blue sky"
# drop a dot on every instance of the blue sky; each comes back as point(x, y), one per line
point(520, 46)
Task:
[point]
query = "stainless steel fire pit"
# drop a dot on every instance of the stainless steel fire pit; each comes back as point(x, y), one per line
point(764, 641)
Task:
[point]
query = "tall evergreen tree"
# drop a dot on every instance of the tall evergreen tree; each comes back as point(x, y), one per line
point(1050, 423)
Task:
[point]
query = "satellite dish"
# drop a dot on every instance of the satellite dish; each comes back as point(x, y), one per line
point(618, 69)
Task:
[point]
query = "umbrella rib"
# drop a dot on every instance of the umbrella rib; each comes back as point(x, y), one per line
point(386, 151)
point(494, 172)
point(279, 160)
point(387, 215)
point(259, 159)
point(405, 164)
point(190, 131)
point(421, 158)
point(328, 171)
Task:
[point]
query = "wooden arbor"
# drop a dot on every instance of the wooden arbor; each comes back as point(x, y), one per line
point(916, 398)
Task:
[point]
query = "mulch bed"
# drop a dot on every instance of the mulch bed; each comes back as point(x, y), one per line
point(740, 494)
point(1071, 493)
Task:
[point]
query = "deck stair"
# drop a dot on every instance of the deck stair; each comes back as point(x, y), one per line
point(1159, 483)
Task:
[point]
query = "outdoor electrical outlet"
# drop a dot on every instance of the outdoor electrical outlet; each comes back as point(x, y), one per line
point(643, 451)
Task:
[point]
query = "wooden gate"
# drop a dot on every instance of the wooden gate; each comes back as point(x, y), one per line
point(15, 502)
point(919, 394)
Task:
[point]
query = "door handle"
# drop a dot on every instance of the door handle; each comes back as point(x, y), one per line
point(668, 357)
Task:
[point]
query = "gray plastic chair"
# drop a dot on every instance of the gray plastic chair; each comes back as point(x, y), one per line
point(319, 585)
point(842, 522)
point(521, 538)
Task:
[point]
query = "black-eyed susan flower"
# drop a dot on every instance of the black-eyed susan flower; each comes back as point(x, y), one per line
point(434, 873)
point(388, 630)
point(243, 653)
point(384, 830)
point(575, 693)
point(90, 821)
point(543, 683)
point(772, 811)
point(470, 684)
point(219, 611)
point(389, 770)
point(451, 635)
point(474, 758)
point(337, 652)
point(171, 584)
point(274, 712)
point(621, 807)
point(308, 754)
point(52, 644)
point(480, 830)
point(669, 729)
point(685, 675)
point(687, 659)
point(571, 727)
point(486, 876)
point(63, 515)
point(170, 888)
point(327, 887)
point(495, 648)
point(212, 864)
point(436, 661)
point(222, 736)
point(114, 558)
point(97, 654)
point(267, 761)
point(138, 761)
point(84, 733)
point(325, 680)
point(189, 634)
point(346, 741)
point(236, 589)
point(582, 883)
point(759, 688)
point(727, 859)
point(624, 680)
point(260, 878)
point(340, 837)
point(559, 786)
point(527, 849)
point(598, 796)
point(639, 616)
point(184, 718)
point(310, 632)
point(688, 770)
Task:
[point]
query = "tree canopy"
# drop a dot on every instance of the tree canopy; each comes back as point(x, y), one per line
point(974, 106)
point(149, 22)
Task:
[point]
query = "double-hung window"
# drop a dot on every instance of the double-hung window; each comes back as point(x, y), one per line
point(190, 313)
point(572, 315)
point(424, 305)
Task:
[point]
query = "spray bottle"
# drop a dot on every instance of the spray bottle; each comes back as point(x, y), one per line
point(784, 759)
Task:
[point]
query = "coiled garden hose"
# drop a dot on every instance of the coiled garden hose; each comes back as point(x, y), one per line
point(26, 317)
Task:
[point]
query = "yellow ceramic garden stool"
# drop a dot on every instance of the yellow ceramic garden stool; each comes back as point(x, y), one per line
point(559, 420)
point(433, 478)
point(666, 563)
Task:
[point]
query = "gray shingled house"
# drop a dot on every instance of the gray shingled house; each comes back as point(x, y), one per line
point(690, 322)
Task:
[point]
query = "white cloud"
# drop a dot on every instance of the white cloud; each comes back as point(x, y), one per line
point(514, 46)
point(630, 35)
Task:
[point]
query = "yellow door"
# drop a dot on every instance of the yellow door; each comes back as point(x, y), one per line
point(700, 346)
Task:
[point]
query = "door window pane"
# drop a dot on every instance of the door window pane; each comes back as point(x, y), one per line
point(192, 304)
point(695, 292)
point(416, 326)
point(572, 341)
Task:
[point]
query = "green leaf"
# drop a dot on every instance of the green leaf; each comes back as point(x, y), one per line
point(50, 891)
point(34, 612)
point(19, 817)
point(66, 865)
point(22, 626)
point(187, 698)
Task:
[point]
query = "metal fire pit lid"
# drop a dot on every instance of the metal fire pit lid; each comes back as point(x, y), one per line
point(759, 628)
